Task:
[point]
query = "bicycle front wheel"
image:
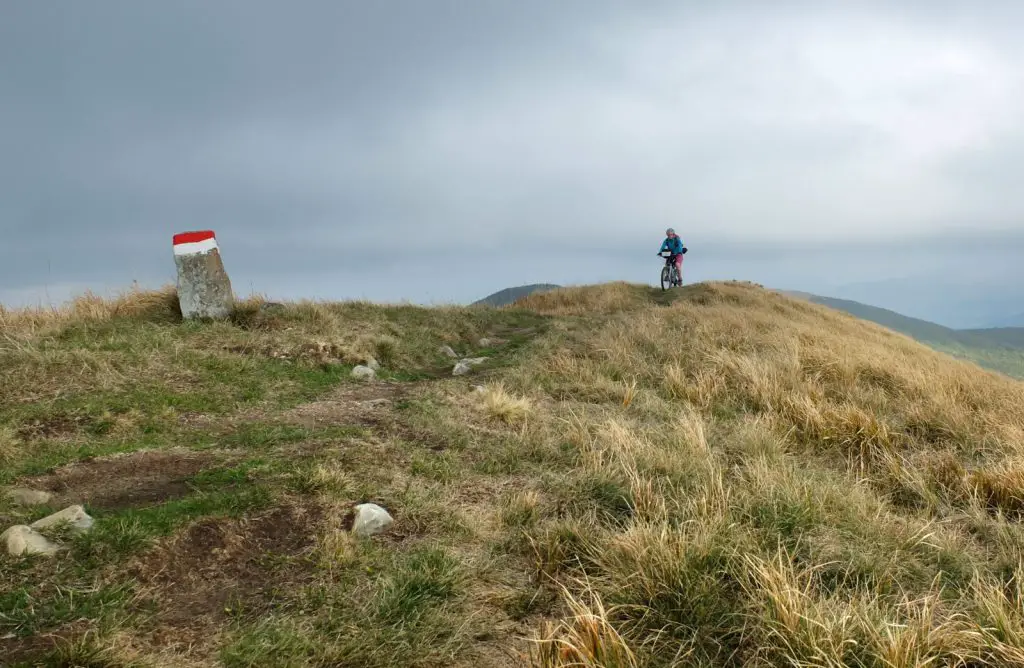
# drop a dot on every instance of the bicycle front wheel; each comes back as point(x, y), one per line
point(666, 278)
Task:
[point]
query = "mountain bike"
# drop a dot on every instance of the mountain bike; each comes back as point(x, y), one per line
point(670, 276)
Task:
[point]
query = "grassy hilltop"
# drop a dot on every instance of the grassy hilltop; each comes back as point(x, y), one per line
point(714, 476)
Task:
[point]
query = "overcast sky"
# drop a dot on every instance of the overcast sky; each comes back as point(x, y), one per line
point(439, 150)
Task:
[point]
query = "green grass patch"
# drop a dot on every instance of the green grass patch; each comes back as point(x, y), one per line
point(27, 610)
point(396, 612)
point(119, 534)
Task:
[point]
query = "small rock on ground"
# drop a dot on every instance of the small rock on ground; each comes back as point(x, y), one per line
point(21, 539)
point(371, 519)
point(76, 516)
point(28, 497)
point(465, 366)
point(448, 352)
point(374, 403)
point(485, 342)
point(363, 371)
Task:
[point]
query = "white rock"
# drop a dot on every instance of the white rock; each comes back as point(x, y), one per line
point(374, 403)
point(464, 366)
point(448, 352)
point(371, 519)
point(362, 371)
point(21, 539)
point(76, 516)
point(479, 389)
point(272, 307)
point(484, 342)
point(373, 364)
point(29, 497)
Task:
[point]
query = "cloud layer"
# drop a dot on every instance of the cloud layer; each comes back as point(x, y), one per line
point(430, 150)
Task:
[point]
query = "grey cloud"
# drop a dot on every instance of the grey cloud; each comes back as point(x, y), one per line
point(329, 142)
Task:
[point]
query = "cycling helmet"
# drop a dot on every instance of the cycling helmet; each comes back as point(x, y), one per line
point(670, 231)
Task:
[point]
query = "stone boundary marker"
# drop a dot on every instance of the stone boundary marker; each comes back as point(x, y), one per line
point(204, 289)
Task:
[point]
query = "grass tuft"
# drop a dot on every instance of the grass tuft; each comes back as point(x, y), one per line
point(11, 448)
point(501, 405)
point(522, 509)
point(585, 639)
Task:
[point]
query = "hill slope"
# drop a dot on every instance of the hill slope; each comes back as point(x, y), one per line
point(510, 295)
point(718, 475)
point(1010, 337)
point(922, 330)
point(999, 349)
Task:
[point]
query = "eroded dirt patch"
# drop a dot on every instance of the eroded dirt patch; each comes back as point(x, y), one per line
point(32, 648)
point(356, 404)
point(54, 427)
point(220, 568)
point(350, 404)
point(130, 480)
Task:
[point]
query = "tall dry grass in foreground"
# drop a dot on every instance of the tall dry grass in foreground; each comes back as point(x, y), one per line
point(153, 305)
point(785, 486)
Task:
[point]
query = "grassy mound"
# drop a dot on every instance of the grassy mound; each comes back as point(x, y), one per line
point(718, 475)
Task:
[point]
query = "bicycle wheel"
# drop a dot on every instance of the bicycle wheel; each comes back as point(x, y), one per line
point(666, 277)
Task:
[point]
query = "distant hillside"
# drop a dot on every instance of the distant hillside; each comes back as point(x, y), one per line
point(1001, 348)
point(1015, 321)
point(509, 295)
point(922, 330)
point(1011, 337)
point(968, 298)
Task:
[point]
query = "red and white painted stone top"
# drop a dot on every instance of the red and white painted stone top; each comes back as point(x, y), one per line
point(190, 243)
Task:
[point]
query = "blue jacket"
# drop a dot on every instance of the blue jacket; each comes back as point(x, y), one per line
point(672, 244)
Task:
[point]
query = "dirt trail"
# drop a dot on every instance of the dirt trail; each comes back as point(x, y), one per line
point(128, 480)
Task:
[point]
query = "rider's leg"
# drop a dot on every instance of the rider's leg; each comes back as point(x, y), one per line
point(679, 269)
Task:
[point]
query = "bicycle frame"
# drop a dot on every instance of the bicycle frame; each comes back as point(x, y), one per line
point(670, 263)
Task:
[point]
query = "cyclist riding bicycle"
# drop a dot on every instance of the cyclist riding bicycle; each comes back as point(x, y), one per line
point(674, 245)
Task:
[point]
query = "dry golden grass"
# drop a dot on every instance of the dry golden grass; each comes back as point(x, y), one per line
point(585, 640)
point(501, 405)
point(713, 476)
point(521, 509)
point(330, 478)
point(611, 298)
point(11, 448)
point(820, 478)
point(158, 305)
